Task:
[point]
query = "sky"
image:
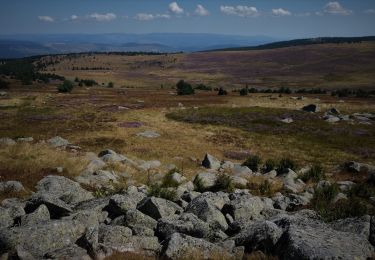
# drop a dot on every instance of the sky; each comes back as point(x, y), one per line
point(275, 18)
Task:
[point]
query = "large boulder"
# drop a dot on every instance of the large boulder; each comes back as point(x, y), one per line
point(120, 204)
point(134, 218)
point(63, 188)
point(98, 179)
point(357, 225)
point(39, 239)
point(260, 235)
point(180, 246)
point(39, 215)
point(6, 219)
point(11, 186)
point(158, 207)
point(207, 180)
point(307, 237)
point(210, 162)
point(56, 206)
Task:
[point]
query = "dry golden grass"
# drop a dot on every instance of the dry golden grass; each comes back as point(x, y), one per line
point(28, 163)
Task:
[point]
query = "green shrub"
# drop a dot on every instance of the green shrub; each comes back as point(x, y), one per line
point(157, 190)
point(253, 162)
point(222, 92)
point(199, 184)
point(203, 87)
point(286, 164)
point(269, 165)
point(66, 87)
point(244, 91)
point(111, 84)
point(168, 181)
point(184, 88)
point(316, 173)
point(88, 82)
point(223, 182)
point(3, 84)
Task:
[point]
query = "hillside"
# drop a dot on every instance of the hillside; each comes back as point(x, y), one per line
point(319, 65)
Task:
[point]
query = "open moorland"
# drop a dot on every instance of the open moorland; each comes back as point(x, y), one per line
point(156, 174)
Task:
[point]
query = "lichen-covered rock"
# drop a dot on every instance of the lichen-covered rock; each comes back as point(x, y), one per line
point(206, 179)
point(7, 141)
point(39, 215)
point(158, 207)
point(134, 217)
point(120, 204)
point(58, 142)
point(72, 252)
point(98, 179)
point(56, 207)
point(11, 186)
point(210, 162)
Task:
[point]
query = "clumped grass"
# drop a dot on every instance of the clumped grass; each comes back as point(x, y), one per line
point(253, 162)
point(269, 165)
point(199, 184)
point(157, 190)
point(323, 198)
point(262, 187)
point(285, 164)
point(223, 182)
point(168, 181)
point(316, 173)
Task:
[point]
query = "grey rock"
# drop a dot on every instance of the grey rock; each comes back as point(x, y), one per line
point(63, 188)
point(242, 171)
point(39, 215)
point(142, 231)
point(149, 134)
point(134, 217)
point(120, 204)
point(345, 185)
point(58, 142)
point(260, 235)
point(98, 179)
point(111, 156)
point(41, 238)
point(73, 252)
point(239, 181)
point(56, 207)
point(281, 202)
point(287, 120)
point(207, 179)
point(331, 119)
point(178, 178)
point(5, 219)
point(190, 195)
point(11, 186)
point(323, 184)
point(148, 165)
point(25, 139)
point(113, 235)
point(7, 141)
point(180, 246)
point(339, 196)
point(158, 207)
point(210, 162)
point(356, 225)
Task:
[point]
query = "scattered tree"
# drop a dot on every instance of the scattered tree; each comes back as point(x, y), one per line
point(184, 88)
point(66, 87)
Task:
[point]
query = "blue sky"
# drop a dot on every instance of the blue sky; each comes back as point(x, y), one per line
point(276, 18)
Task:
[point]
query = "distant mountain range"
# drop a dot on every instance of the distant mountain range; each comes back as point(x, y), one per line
point(22, 45)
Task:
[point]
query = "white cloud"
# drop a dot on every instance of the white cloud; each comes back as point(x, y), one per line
point(281, 12)
point(149, 17)
point(74, 17)
point(103, 17)
point(336, 8)
point(240, 10)
point(175, 8)
point(201, 11)
point(369, 11)
point(45, 18)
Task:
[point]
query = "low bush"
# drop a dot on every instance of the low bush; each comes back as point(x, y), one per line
point(203, 87)
point(157, 190)
point(168, 181)
point(253, 162)
point(66, 87)
point(244, 91)
point(284, 165)
point(222, 92)
point(111, 84)
point(269, 165)
point(184, 88)
point(316, 173)
point(223, 183)
point(3, 84)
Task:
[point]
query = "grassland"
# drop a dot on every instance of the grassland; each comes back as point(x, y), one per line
point(330, 66)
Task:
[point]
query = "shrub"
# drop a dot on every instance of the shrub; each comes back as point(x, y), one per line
point(316, 173)
point(222, 92)
point(223, 183)
point(111, 84)
point(88, 82)
point(244, 91)
point(253, 162)
point(157, 190)
point(269, 165)
point(76, 79)
point(168, 181)
point(3, 84)
point(184, 88)
point(203, 87)
point(286, 164)
point(66, 87)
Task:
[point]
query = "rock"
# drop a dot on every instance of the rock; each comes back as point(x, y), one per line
point(345, 185)
point(360, 167)
point(271, 174)
point(56, 206)
point(150, 165)
point(142, 231)
point(207, 210)
point(95, 164)
point(333, 111)
point(190, 195)
point(301, 199)
point(323, 184)
point(158, 207)
point(6, 219)
point(111, 156)
point(11, 186)
point(113, 235)
point(180, 246)
point(7, 141)
point(356, 225)
point(39, 215)
point(120, 204)
point(58, 142)
point(25, 139)
point(3, 93)
point(331, 119)
point(178, 178)
point(287, 120)
point(97, 205)
point(306, 237)
point(187, 223)
point(227, 165)
point(290, 182)
point(63, 188)
point(339, 196)
point(41, 238)
point(72, 252)
point(239, 182)
point(242, 171)
point(210, 162)
point(311, 108)
point(206, 179)
point(218, 199)
point(134, 217)
point(260, 235)
point(149, 134)
point(281, 202)
point(98, 179)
